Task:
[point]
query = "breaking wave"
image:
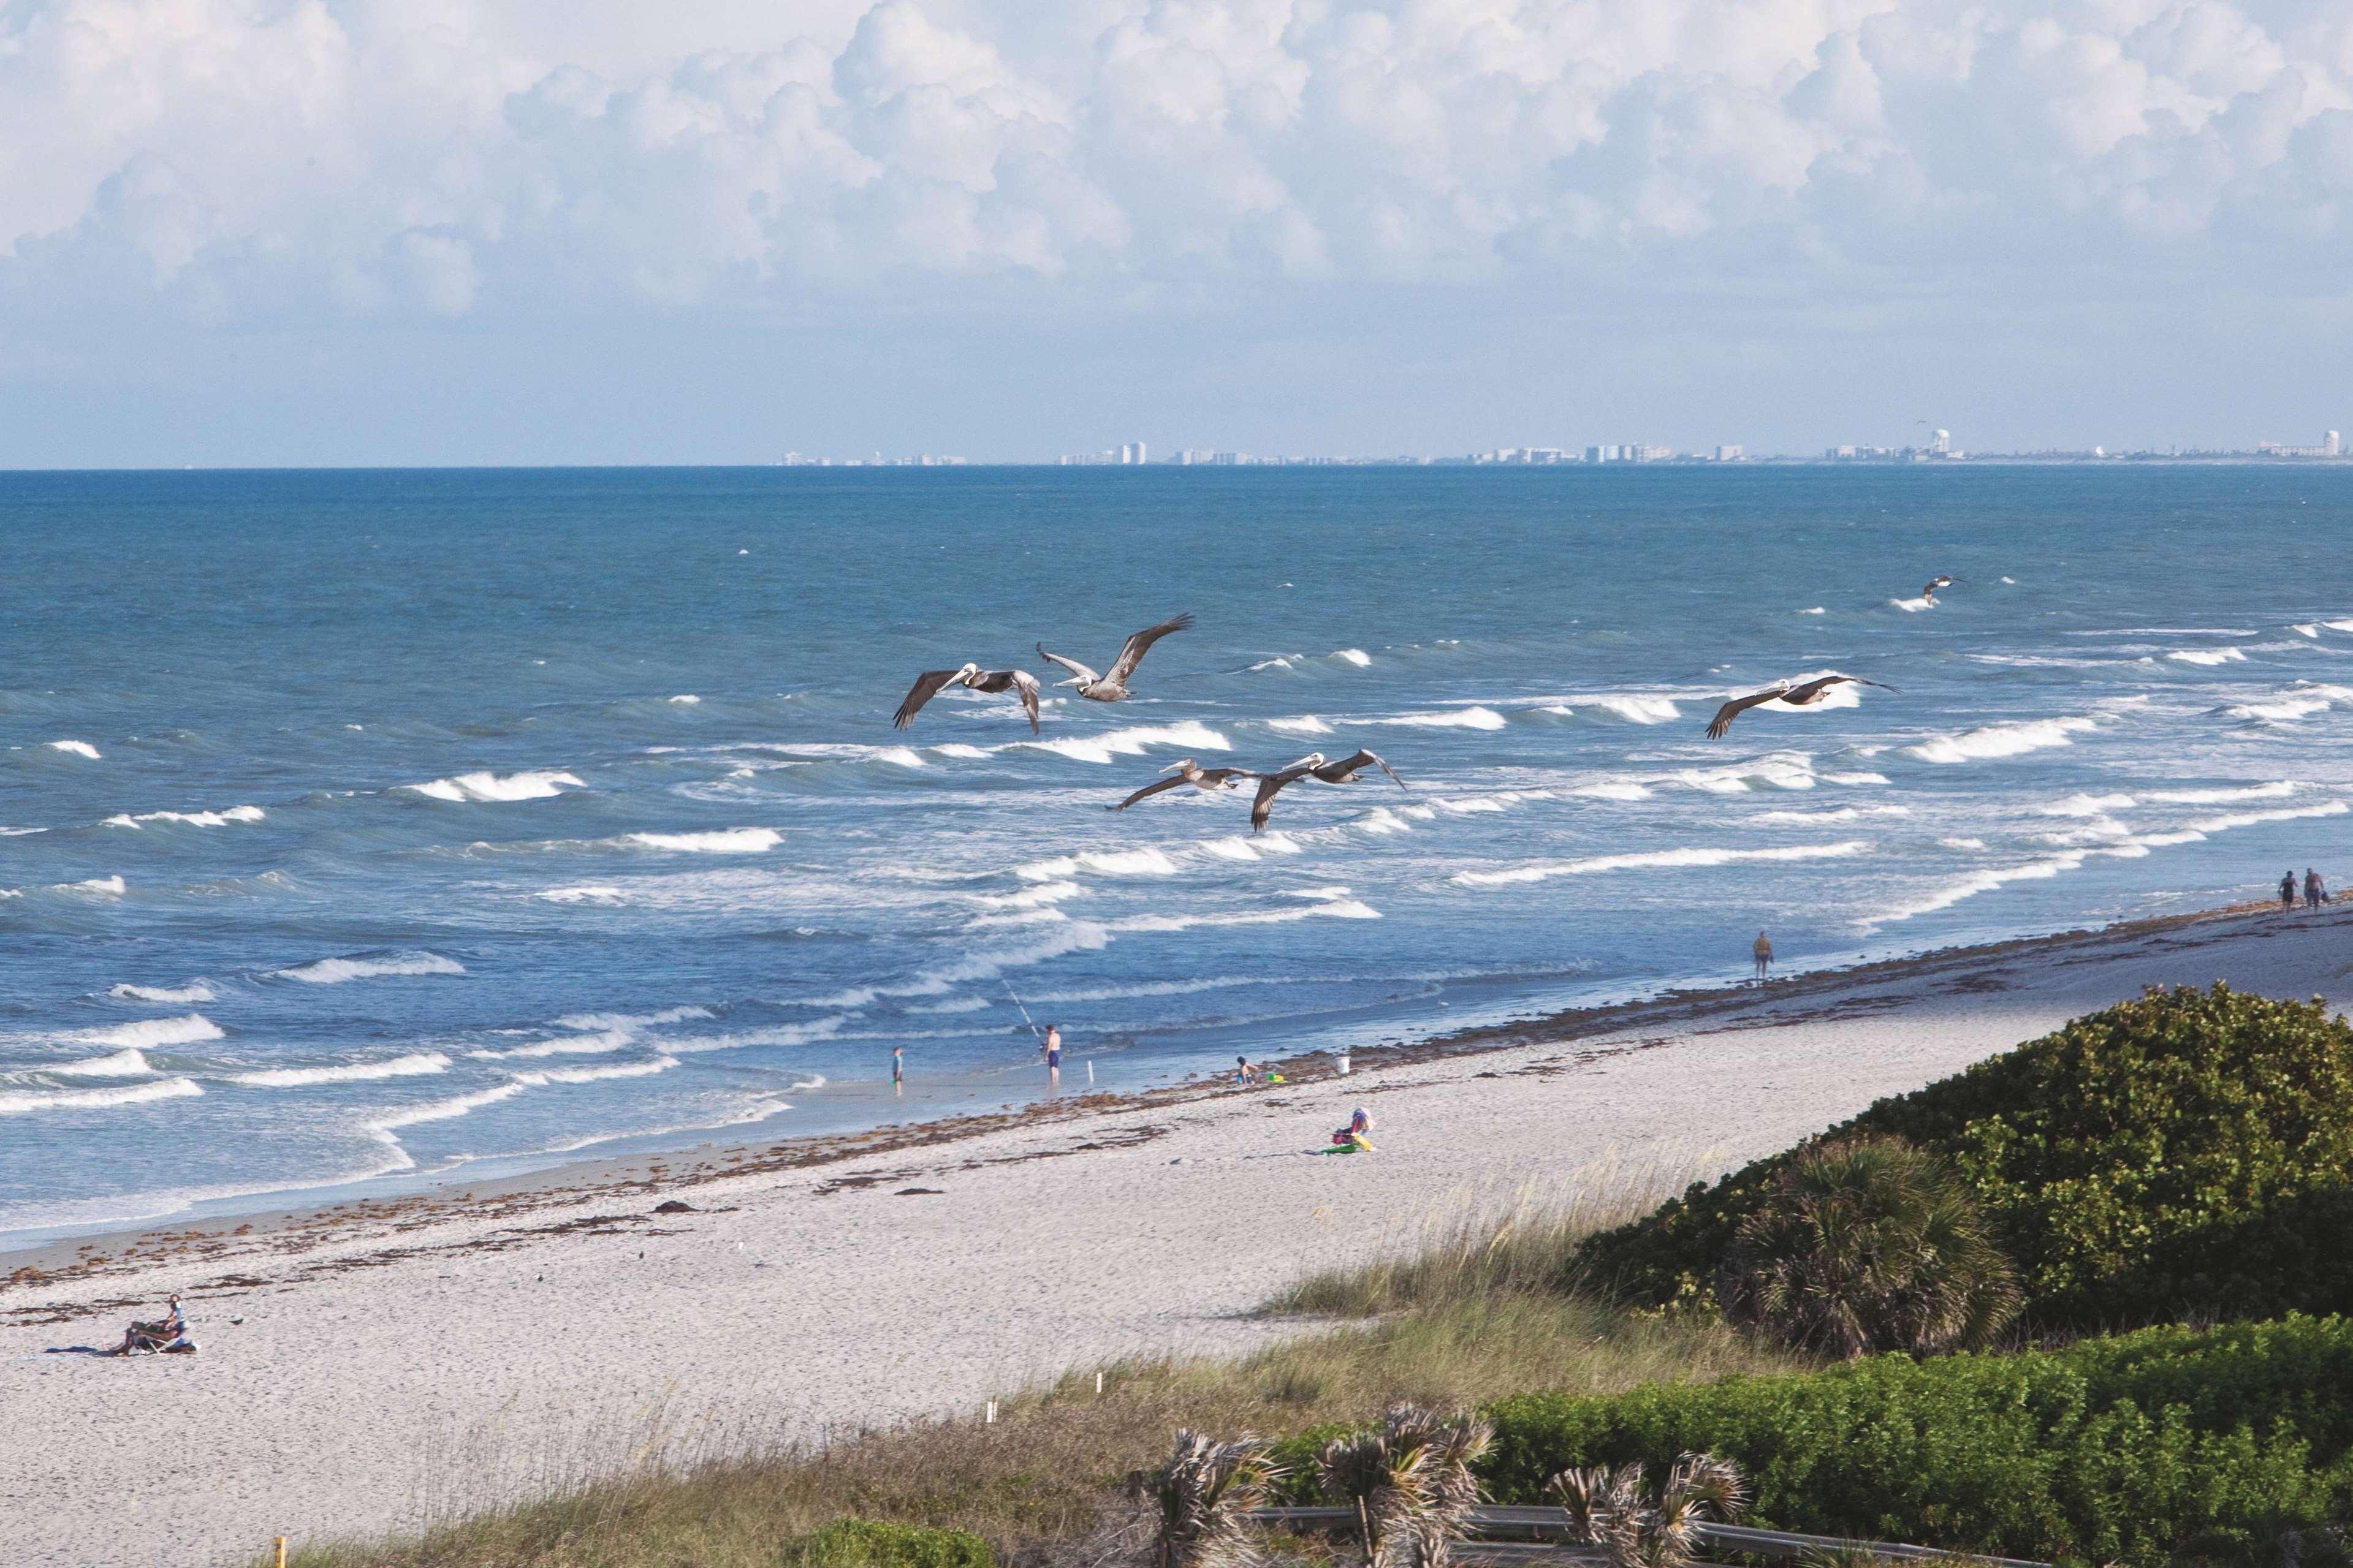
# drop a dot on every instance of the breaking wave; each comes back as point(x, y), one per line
point(1999, 740)
point(78, 748)
point(720, 841)
point(147, 1033)
point(490, 786)
point(420, 1064)
point(197, 991)
point(120, 1064)
point(192, 818)
point(2208, 656)
point(335, 970)
point(1658, 859)
point(93, 1099)
point(1131, 743)
point(1305, 724)
point(1453, 718)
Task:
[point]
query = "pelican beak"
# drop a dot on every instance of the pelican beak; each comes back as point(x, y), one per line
point(1178, 766)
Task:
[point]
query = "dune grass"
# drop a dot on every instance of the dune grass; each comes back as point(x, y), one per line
point(1480, 1309)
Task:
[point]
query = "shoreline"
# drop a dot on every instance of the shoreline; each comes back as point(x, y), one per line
point(128, 1248)
point(462, 1352)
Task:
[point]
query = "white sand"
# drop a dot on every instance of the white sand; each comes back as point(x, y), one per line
point(358, 1401)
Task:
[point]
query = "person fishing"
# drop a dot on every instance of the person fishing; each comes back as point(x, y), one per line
point(1052, 1047)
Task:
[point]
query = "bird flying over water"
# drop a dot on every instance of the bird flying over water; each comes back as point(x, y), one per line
point(1186, 771)
point(1312, 766)
point(931, 683)
point(1795, 696)
point(1934, 583)
point(1112, 687)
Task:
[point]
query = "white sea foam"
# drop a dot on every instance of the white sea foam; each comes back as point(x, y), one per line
point(1067, 936)
point(1922, 603)
point(720, 841)
point(1355, 655)
point(1305, 724)
point(1837, 814)
point(901, 756)
point(603, 1042)
point(1658, 859)
point(1131, 743)
point(442, 1110)
point(1633, 710)
point(1031, 897)
point(2000, 739)
point(335, 970)
point(1613, 789)
point(79, 748)
point(2087, 806)
point(2295, 703)
point(148, 1033)
point(784, 1035)
point(2216, 796)
point(1338, 908)
point(2339, 626)
point(631, 1020)
point(1237, 847)
point(192, 818)
point(2307, 628)
point(1278, 662)
point(1451, 718)
point(958, 749)
point(118, 1064)
point(94, 1098)
point(106, 887)
point(2208, 656)
point(490, 786)
point(961, 1005)
point(169, 996)
point(1775, 770)
point(586, 893)
point(1144, 862)
point(686, 699)
point(1962, 843)
point(419, 1064)
point(595, 1075)
point(2251, 818)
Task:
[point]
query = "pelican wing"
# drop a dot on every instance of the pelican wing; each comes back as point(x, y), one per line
point(927, 686)
point(1347, 768)
point(1798, 696)
point(1132, 651)
point(1015, 680)
point(1736, 707)
point(1072, 665)
point(1170, 783)
point(1268, 786)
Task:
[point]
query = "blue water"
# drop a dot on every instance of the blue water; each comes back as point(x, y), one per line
point(529, 812)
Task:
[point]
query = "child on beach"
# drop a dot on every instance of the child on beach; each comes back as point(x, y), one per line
point(898, 1069)
point(1352, 1136)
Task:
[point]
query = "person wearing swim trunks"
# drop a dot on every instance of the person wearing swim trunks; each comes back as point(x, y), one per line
point(1053, 1049)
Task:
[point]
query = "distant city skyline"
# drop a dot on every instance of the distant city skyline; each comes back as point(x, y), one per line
point(350, 232)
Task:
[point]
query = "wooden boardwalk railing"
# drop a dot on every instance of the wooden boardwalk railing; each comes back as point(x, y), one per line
point(1499, 1525)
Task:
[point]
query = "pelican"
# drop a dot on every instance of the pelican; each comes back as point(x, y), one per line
point(1795, 696)
point(1930, 591)
point(1112, 687)
point(931, 683)
point(1312, 766)
point(1189, 772)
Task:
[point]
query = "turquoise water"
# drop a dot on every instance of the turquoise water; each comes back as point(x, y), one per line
point(437, 818)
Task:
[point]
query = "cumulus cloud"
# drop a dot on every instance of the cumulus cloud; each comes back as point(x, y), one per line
point(448, 158)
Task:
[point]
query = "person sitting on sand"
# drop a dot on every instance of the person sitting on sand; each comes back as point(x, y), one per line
point(1245, 1074)
point(1353, 1135)
point(1764, 956)
point(169, 1331)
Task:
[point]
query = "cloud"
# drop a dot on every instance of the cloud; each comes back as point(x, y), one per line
point(252, 159)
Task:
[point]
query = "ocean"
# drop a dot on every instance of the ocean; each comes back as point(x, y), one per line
point(359, 829)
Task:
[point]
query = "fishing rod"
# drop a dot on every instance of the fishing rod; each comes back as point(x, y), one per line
point(1017, 1001)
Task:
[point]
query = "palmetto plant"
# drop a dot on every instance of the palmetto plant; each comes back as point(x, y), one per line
point(1411, 1484)
point(1869, 1243)
point(1201, 1499)
point(1607, 1507)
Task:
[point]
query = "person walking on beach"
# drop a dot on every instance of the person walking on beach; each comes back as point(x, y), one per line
point(898, 1069)
point(1053, 1049)
point(1763, 957)
point(2287, 891)
point(2315, 895)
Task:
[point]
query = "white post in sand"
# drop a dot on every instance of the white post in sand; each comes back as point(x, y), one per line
point(990, 1419)
point(1090, 1070)
point(1343, 1064)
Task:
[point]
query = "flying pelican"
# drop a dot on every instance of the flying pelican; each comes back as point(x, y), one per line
point(1189, 772)
point(1312, 766)
point(1930, 591)
point(931, 683)
point(1795, 696)
point(1112, 687)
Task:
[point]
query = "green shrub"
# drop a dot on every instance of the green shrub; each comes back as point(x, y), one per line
point(872, 1544)
point(1868, 1244)
point(2188, 1154)
point(2126, 1450)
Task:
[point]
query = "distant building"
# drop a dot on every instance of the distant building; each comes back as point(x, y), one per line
point(1601, 455)
point(1727, 454)
point(1649, 454)
point(2330, 446)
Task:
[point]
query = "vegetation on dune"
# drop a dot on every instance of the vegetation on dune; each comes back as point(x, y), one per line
point(2187, 1155)
point(2129, 1450)
point(1864, 1244)
point(1611, 1507)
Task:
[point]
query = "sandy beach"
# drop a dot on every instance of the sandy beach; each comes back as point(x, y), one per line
point(437, 1353)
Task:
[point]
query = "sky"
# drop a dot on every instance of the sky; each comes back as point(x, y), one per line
point(333, 232)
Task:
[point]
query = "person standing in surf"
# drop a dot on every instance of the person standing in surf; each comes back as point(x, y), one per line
point(1764, 953)
point(898, 1069)
point(2287, 891)
point(1053, 1050)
